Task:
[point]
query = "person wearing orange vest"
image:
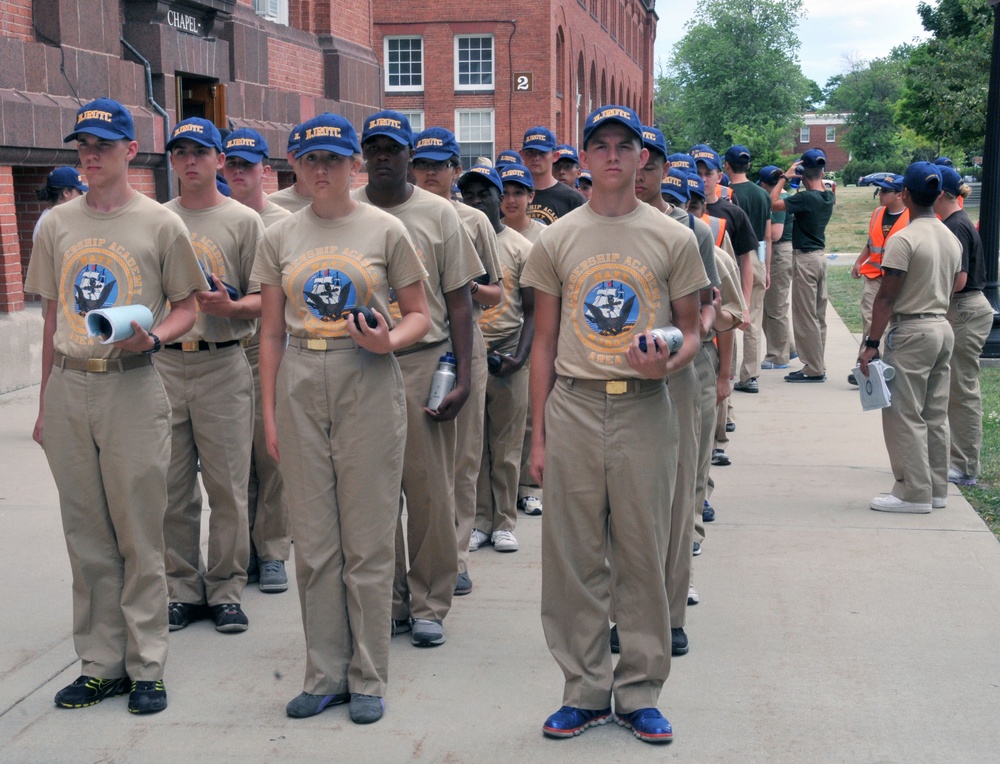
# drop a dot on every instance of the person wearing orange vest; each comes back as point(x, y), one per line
point(888, 219)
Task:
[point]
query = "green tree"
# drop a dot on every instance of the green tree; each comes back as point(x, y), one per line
point(736, 71)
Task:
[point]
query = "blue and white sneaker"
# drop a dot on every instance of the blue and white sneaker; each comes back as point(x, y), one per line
point(569, 721)
point(647, 724)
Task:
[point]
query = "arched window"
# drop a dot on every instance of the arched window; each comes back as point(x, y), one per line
point(604, 89)
point(581, 114)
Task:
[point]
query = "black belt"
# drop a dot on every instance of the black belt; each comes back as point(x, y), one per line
point(615, 386)
point(102, 365)
point(194, 346)
point(418, 348)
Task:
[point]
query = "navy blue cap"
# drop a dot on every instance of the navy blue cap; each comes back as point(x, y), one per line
point(329, 132)
point(436, 144)
point(724, 180)
point(246, 144)
point(682, 162)
point(738, 154)
point(951, 181)
point(771, 175)
point(391, 124)
point(922, 177)
point(653, 140)
point(517, 173)
point(488, 174)
point(222, 186)
point(585, 175)
point(706, 154)
point(197, 130)
point(539, 138)
point(606, 115)
point(814, 158)
point(675, 184)
point(565, 151)
point(508, 157)
point(66, 177)
point(943, 162)
point(696, 186)
point(293, 139)
point(891, 183)
point(104, 118)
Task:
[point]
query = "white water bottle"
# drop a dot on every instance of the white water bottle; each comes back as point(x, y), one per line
point(669, 337)
point(443, 381)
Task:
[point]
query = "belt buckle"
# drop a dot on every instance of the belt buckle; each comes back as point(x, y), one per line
point(190, 346)
point(315, 344)
point(245, 342)
point(97, 365)
point(616, 386)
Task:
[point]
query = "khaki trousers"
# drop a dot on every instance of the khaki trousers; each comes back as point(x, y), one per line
point(706, 365)
point(469, 450)
point(750, 365)
point(506, 408)
point(868, 293)
point(971, 318)
point(809, 298)
point(107, 441)
point(777, 303)
point(610, 463)
point(424, 587)
point(341, 432)
point(211, 423)
point(526, 485)
point(270, 535)
point(915, 426)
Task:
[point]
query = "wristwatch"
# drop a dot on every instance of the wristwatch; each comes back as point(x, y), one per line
point(156, 345)
point(870, 343)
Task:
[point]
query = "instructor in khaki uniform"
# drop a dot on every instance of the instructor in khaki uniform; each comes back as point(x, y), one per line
point(103, 416)
point(605, 431)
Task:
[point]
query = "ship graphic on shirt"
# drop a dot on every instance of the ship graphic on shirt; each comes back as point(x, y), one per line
point(327, 296)
point(95, 287)
point(610, 308)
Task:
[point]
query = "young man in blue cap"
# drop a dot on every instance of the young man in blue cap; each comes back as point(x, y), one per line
point(103, 418)
point(921, 268)
point(585, 184)
point(245, 169)
point(812, 207)
point(552, 198)
point(423, 589)
point(62, 185)
point(777, 299)
point(210, 388)
point(604, 276)
point(296, 196)
point(518, 191)
point(566, 168)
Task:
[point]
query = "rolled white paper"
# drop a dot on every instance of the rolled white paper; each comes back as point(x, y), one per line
point(114, 324)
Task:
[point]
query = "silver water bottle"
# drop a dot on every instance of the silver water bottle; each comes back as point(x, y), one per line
point(443, 381)
point(669, 337)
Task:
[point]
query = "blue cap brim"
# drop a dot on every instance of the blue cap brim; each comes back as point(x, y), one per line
point(246, 156)
point(194, 139)
point(670, 192)
point(538, 147)
point(434, 156)
point(388, 134)
point(344, 151)
point(98, 132)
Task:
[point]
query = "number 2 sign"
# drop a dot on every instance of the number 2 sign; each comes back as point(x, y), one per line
point(524, 82)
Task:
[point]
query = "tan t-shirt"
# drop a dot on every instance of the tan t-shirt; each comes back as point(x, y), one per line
point(290, 199)
point(532, 232)
point(326, 267)
point(484, 239)
point(502, 320)
point(703, 234)
point(140, 254)
point(225, 239)
point(443, 246)
point(730, 289)
point(616, 276)
point(272, 213)
point(931, 256)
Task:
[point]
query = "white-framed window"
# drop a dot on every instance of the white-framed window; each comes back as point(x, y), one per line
point(475, 133)
point(831, 134)
point(272, 10)
point(416, 120)
point(804, 135)
point(474, 67)
point(404, 64)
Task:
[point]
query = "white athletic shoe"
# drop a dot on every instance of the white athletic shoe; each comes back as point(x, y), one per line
point(504, 541)
point(886, 502)
point(530, 505)
point(477, 539)
point(693, 598)
point(939, 502)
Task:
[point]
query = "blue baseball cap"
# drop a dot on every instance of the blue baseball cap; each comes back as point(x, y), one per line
point(770, 174)
point(246, 144)
point(66, 177)
point(738, 154)
point(293, 139)
point(539, 138)
point(653, 140)
point(695, 185)
point(814, 158)
point(923, 177)
point(707, 155)
point(487, 174)
point(606, 115)
point(328, 132)
point(682, 161)
point(222, 186)
point(435, 143)
point(724, 180)
point(104, 118)
point(197, 130)
point(675, 184)
point(391, 124)
point(565, 151)
point(585, 176)
point(951, 181)
point(517, 173)
point(508, 157)
point(943, 162)
point(893, 182)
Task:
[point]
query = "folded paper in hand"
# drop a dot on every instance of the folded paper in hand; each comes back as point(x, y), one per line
point(873, 388)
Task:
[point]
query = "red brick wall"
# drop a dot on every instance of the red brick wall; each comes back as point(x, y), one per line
point(294, 68)
point(15, 20)
point(11, 282)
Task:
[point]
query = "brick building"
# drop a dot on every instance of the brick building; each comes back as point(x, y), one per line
point(825, 131)
point(489, 73)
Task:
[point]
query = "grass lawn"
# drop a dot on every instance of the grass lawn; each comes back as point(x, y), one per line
point(845, 294)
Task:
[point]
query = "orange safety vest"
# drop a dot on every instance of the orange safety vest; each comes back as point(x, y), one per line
point(724, 192)
point(872, 269)
point(718, 226)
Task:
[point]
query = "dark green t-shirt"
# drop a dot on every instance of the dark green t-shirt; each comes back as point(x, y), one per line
point(756, 203)
point(785, 218)
point(812, 212)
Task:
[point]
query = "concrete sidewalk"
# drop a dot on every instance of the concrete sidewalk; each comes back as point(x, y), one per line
point(826, 632)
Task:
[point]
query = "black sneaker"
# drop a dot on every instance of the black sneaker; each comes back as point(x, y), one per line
point(678, 641)
point(147, 697)
point(616, 646)
point(229, 618)
point(180, 614)
point(89, 691)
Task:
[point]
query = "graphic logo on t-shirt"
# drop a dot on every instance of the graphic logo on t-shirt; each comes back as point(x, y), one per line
point(494, 313)
point(94, 287)
point(544, 215)
point(329, 294)
point(610, 308)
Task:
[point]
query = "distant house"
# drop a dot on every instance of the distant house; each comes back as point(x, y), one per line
point(825, 131)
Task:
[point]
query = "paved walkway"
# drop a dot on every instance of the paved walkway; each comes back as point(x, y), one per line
point(826, 632)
